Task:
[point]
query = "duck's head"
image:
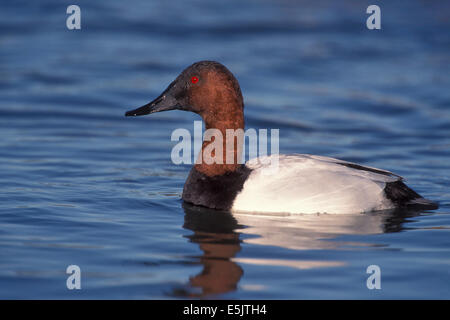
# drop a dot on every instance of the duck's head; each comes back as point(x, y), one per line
point(207, 88)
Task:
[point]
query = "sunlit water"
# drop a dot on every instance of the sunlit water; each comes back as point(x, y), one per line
point(81, 184)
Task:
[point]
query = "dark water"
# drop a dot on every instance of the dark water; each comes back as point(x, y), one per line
point(81, 184)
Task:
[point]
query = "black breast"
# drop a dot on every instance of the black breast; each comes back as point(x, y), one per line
point(216, 192)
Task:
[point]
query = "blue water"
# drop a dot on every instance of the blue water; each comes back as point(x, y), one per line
point(83, 185)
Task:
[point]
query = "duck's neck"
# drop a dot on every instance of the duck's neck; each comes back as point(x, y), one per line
point(214, 161)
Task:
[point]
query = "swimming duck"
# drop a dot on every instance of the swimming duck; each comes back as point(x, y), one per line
point(303, 183)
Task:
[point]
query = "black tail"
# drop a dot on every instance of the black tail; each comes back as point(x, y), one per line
point(403, 196)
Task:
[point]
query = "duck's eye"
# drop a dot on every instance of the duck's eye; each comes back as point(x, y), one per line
point(194, 79)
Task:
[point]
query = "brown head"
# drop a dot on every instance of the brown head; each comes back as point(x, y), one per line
point(209, 89)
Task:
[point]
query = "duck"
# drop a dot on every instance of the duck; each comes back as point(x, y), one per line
point(302, 183)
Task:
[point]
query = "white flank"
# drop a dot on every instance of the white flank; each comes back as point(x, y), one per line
point(307, 184)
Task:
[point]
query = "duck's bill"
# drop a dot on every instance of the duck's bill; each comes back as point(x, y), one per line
point(163, 103)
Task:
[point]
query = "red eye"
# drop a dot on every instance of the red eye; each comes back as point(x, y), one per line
point(194, 79)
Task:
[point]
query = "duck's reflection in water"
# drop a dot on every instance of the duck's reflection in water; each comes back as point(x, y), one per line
point(220, 234)
point(215, 233)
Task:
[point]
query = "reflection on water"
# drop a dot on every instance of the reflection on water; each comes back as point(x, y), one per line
point(220, 234)
point(215, 233)
point(306, 232)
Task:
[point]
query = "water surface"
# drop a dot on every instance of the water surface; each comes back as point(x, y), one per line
point(81, 184)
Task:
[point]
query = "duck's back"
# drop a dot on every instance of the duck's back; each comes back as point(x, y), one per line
point(313, 184)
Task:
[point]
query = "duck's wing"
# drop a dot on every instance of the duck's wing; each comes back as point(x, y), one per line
point(395, 189)
point(310, 164)
point(303, 183)
point(351, 165)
